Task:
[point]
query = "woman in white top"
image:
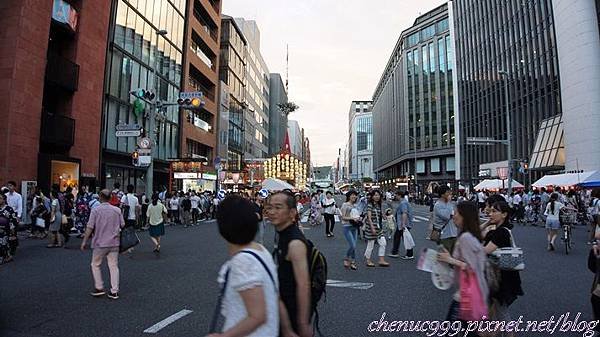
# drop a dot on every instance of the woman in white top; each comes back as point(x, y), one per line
point(174, 208)
point(552, 219)
point(329, 210)
point(251, 297)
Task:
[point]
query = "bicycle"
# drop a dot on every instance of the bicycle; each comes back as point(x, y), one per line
point(568, 218)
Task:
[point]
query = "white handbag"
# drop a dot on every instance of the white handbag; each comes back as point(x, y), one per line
point(508, 258)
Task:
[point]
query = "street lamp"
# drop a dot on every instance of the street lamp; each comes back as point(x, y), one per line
point(504, 74)
point(152, 126)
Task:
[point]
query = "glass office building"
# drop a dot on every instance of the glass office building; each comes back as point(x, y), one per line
point(140, 58)
point(516, 37)
point(413, 114)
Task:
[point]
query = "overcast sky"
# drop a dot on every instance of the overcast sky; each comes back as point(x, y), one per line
point(338, 50)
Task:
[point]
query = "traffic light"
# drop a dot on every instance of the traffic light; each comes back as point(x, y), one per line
point(135, 156)
point(190, 103)
point(146, 95)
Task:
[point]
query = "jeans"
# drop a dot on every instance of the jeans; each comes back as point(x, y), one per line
point(398, 236)
point(112, 257)
point(329, 223)
point(350, 233)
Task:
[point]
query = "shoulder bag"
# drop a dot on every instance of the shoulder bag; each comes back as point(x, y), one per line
point(436, 233)
point(508, 258)
point(128, 239)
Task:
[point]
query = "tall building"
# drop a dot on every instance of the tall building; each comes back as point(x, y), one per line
point(201, 73)
point(520, 40)
point(232, 71)
point(578, 46)
point(277, 120)
point(51, 92)
point(139, 57)
point(360, 158)
point(296, 138)
point(413, 110)
point(256, 123)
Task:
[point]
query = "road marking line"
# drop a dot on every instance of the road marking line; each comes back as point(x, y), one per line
point(351, 285)
point(165, 322)
point(421, 218)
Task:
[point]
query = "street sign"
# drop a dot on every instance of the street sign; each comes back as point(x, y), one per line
point(484, 141)
point(128, 127)
point(484, 173)
point(128, 133)
point(145, 160)
point(190, 95)
point(144, 143)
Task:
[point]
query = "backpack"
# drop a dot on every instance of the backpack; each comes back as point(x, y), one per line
point(317, 264)
point(114, 199)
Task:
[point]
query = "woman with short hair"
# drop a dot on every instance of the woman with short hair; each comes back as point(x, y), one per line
point(248, 279)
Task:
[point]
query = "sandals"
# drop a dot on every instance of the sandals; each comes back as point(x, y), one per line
point(370, 264)
point(384, 264)
point(346, 263)
point(353, 266)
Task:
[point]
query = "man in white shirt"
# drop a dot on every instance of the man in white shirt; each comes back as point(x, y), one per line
point(14, 199)
point(130, 205)
point(195, 199)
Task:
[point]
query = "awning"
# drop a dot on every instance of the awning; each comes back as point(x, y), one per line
point(565, 179)
point(496, 184)
point(592, 181)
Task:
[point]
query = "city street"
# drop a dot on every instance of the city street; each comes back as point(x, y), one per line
point(45, 291)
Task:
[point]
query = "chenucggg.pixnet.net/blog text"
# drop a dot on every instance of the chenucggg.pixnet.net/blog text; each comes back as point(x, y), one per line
point(559, 325)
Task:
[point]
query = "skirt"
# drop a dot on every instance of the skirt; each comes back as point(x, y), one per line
point(552, 224)
point(57, 223)
point(158, 230)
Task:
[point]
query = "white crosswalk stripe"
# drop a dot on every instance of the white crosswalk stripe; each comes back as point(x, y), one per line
point(352, 285)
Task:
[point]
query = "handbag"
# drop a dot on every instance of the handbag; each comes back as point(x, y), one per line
point(436, 234)
point(128, 239)
point(64, 220)
point(508, 258)
point(409, 242)
point(473, 306)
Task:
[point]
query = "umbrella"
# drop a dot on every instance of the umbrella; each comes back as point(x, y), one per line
point(273, 184)
point(497, 184)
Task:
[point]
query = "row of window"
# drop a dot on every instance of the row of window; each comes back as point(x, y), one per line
point(427, 32)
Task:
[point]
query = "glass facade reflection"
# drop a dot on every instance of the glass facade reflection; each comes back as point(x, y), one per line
point(135, 52)
point(412, 104)
point(518, 38)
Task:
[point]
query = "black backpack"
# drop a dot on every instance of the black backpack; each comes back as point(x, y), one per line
point(317, 264)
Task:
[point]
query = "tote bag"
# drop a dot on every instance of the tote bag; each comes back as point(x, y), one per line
point(472, 304)
point(129, 239)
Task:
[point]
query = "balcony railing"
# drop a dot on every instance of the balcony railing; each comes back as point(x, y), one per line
point(57, 129)
point(62, 72)
point(199, 87)
point(211, 31)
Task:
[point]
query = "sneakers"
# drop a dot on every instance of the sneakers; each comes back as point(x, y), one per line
point(408, 257)
point(97, 292)
point(113, 296)
point(394, 255)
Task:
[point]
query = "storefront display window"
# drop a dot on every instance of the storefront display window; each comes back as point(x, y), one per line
point(65, 174)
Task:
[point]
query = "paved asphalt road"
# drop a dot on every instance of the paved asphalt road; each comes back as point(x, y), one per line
point(45, 291)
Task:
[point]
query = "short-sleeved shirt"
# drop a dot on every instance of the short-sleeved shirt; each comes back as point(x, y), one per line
point(247, 272)
point(106, 221)
point(155, 213)
point(131, 201)
point(404, 207)
point(510, 281)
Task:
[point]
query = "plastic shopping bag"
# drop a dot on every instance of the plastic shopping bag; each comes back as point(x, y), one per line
point(409, 242)
point(472, 304)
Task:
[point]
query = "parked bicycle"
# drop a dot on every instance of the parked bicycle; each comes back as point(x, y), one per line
point(568, 218)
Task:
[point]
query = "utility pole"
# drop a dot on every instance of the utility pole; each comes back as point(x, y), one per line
point(152, 123)
point(508, 130)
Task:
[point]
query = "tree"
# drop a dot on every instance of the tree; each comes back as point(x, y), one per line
point(287, 108)
point(367, 180)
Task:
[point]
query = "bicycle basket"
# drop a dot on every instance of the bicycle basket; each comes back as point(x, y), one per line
point(568, 216)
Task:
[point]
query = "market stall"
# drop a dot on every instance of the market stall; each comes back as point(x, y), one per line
point(568, 179)
point(497, 184)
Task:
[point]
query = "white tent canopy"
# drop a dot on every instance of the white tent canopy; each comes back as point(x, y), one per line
point(496, 184)
point(273, 184)
point(565, 179)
